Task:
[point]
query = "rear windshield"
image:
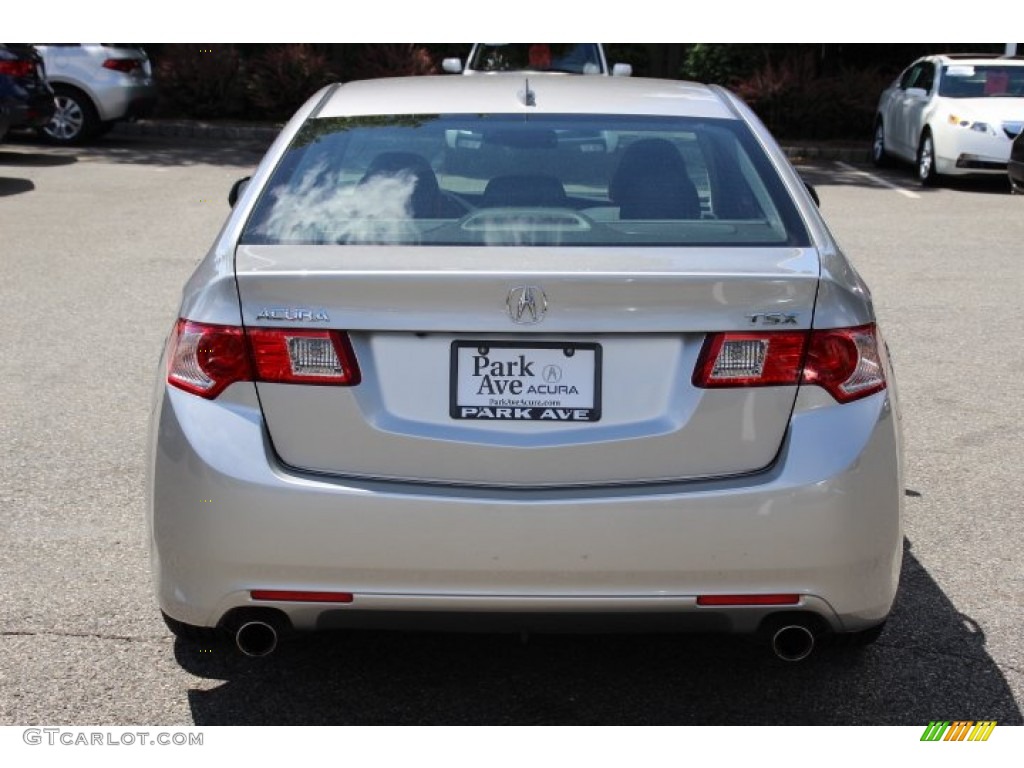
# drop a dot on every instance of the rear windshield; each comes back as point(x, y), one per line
point(971, 81)
point(515, 180)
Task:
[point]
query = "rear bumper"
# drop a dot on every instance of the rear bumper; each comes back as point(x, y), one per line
point(33, 113)
point(126, 102)
point(224, 518)
point(1015, 170)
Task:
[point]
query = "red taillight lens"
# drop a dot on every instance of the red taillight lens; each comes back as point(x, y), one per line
point(750, 359)
point(297, 356)
point(122, 65)
point(844, 361)
point(204, 359)
point(17, 68)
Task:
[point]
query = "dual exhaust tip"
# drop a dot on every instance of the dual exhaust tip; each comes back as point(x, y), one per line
point(791, 642)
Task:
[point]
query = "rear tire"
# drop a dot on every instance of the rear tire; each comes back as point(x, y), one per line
point(879, 156)
point(75, 119)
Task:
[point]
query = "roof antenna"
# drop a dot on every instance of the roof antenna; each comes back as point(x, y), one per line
point(527, 97)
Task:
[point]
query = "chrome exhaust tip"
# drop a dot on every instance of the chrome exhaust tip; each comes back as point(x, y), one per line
point(256, 638)
point(793, 642)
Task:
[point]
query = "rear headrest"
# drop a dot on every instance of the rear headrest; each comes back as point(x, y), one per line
point(524, 191)
point(651, 182)
point(426, 194)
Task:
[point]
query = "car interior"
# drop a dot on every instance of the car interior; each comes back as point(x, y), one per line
point(463, 179)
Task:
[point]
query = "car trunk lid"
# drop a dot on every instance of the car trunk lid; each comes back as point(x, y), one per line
point(436, 331)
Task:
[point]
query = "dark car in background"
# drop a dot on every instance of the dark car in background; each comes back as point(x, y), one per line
point(25, 96)
point(5, 120)
point(1015, 167)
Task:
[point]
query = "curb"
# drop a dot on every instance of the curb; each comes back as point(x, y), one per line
point(197, 129)
point(803, 153)
point(262, 132)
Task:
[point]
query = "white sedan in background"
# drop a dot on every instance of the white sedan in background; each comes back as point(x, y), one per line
point(952, 115)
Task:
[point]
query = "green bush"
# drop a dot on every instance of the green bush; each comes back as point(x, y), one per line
point(284, 76)
point(201, 80)
point(391, 60)
point(721, 63)
point(795, 101)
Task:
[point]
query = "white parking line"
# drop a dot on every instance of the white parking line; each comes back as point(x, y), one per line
point(878, 180)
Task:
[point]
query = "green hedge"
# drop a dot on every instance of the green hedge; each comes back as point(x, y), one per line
point(802, 91)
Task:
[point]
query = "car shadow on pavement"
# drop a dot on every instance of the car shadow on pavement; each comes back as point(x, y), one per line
point(159, 151)
point(12, 186)
point(826, 174)
point(929, 664)
point(17, 159)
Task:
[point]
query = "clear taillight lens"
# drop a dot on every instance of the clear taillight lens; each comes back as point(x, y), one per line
point(297, 356)
point(750, 359)
point(204, 359)
point(844, 361)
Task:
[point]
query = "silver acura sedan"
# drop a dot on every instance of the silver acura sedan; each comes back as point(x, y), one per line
point(526, 352)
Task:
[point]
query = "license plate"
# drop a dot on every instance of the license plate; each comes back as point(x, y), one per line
point(525, 381)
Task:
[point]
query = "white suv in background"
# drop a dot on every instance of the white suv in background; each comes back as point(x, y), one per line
point(95, 85)
point(953, 114)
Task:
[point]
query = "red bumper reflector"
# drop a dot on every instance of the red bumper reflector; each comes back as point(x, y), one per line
point(748, 599)
point(290, 596)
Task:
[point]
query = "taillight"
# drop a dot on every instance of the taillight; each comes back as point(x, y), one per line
point(17, 68)
point(843, 361)
point(846, 362)
point(297, 356)
point(122, 65)
point(750, 359)
point(204, 359)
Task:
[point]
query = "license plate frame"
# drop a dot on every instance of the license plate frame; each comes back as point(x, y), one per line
point(528, 362)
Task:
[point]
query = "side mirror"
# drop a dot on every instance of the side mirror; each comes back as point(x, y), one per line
point(813, 193)
point(452, 66)
point(237, 189)
point(622, 70)
point(917, 93)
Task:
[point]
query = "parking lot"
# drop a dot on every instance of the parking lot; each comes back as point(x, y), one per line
point(95, 245)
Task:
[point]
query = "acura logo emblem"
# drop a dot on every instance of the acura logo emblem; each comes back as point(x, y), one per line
point(526, 304)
